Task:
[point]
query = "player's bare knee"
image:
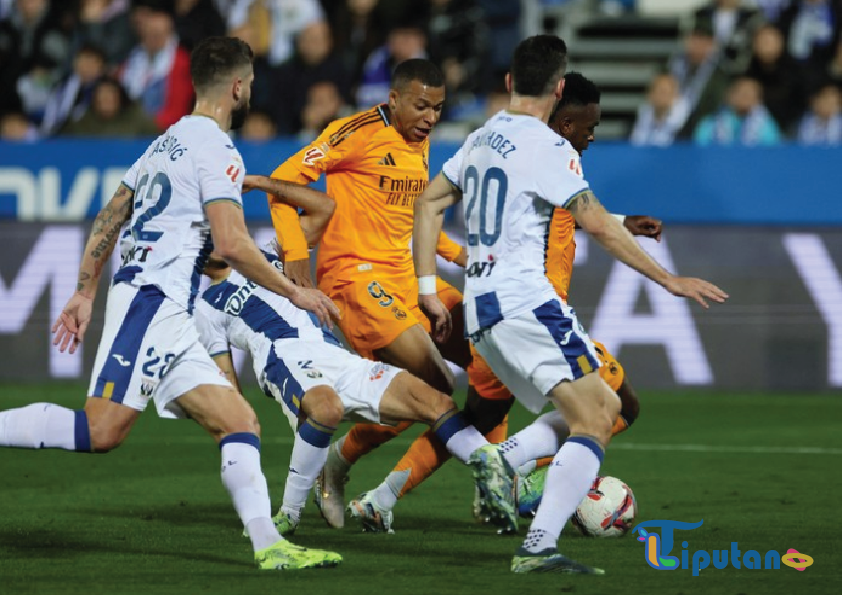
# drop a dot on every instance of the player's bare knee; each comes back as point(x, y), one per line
point(323, 405)
point(433, 404)
point(105, 437)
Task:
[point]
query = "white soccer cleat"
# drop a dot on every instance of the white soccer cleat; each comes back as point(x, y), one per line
point(329, 494)
point(373, 517)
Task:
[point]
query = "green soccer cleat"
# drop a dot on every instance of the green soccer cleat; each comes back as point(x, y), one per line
point(494, 478)
point(530, 491)
point(372, 516)
point(549, 561)
point(285, 524)
point(285, 556)
point(329, 491)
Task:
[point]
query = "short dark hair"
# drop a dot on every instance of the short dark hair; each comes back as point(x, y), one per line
point(216, 57)
point(417, 69)
point(539, 61)
point(578, 91)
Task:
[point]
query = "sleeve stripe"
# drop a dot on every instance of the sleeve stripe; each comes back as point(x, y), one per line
point(237, 202)
point(452, 183)
point(223, 353)
point(574, 196)
point(127, 185)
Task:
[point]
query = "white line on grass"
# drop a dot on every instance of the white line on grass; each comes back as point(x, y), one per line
point(724, 448)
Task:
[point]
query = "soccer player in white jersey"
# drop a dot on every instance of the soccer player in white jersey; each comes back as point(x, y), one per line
point(509, 172)
point(182, 197)
point(319, 383)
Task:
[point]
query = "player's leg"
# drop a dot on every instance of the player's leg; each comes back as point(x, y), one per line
point(230, 420)
point(589, 408)
point(407, 397)
point(323, 411)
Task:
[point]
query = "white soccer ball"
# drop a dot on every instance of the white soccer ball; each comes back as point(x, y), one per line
point(608, 509)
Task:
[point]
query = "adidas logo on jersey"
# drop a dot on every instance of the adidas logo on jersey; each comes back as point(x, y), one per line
point(388, 160)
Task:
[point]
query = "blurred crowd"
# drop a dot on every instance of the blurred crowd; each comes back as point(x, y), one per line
point(751, 72)
point(121, 67)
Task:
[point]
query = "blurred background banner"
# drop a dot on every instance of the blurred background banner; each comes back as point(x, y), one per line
point(781, 329)
point(786, 185)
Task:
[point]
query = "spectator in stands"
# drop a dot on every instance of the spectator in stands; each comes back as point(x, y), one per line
point(502, 18)
point(107, 25)
point(314, 61)
point(812, 29)
point(261, 89)
point(733, 25)
point(457, 41)
point(358, 30)
point(196, 20)
point(778, 74)
point(157, 72)
point(112, 114)
point(406, 41)
point(743, 121)
point(822, 125)
point(833, 71)
point(701, 81)
point(278, 22)
point(15, 126)
point(69, 100)
point(258, 127)
point(324, 105)
point(662, 116)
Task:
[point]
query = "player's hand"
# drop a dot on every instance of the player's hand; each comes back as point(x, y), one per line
point(462, 258)
point(250, 182)
point(697, 289)
point(643, 225)
point(298, 272)
point(316, 302)
point(69, 329)
point(440, 321)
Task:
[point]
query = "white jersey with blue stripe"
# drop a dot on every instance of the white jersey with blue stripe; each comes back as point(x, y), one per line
point(239, 313)
point(513, 172)
point(194, 163)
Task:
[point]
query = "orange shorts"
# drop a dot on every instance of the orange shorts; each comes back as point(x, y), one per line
point(377, 306)
point(489, 386)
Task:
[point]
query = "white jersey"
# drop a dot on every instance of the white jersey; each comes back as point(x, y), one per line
point(194, 163)
point(513, 172)
point(239, 313)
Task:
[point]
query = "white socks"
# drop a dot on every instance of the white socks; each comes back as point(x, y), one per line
point(305, 464)
point(540, 439)
point(569, 477)
point(39, 426)
point(242, 476)
point(386, 495)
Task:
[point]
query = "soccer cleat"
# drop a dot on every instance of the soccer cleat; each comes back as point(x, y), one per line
point(329, 494)
point(479, 516)
point(285, 556)
point(530, 491)
point(549, 561)
point(285, 524)
point(372, 516)
point(494, 478)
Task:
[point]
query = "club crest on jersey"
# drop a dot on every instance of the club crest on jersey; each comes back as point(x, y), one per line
point(314, 154)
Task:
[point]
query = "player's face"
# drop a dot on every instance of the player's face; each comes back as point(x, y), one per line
point(416, 109)
point(241, 108)
point(578, 125)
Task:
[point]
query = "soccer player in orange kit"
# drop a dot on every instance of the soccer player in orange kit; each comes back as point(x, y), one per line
point(377, 163)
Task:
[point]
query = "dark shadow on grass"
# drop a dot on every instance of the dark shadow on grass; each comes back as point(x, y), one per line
point(182, 513)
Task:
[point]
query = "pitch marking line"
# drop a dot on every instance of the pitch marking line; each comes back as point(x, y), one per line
point(724, 448)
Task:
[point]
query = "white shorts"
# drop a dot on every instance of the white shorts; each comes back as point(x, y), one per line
point(533, 352)
point(149, 349)
point(295, 366)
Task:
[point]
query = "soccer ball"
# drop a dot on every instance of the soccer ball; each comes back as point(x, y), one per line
point(607, 510)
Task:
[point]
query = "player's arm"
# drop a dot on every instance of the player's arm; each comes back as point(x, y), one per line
point(69, 329)
point(451, 251)
point(429, 216)
point(226, 364)
point(616, 239)
point(318, 207)
point(235, 246)
point(639, 225)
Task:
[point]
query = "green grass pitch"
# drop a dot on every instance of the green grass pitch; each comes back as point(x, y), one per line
point(153, 517)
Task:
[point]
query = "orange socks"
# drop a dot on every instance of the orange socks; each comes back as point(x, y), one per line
point(364, 438)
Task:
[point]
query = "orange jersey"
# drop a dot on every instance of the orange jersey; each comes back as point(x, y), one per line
point(374, 175)
point(561, 249)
